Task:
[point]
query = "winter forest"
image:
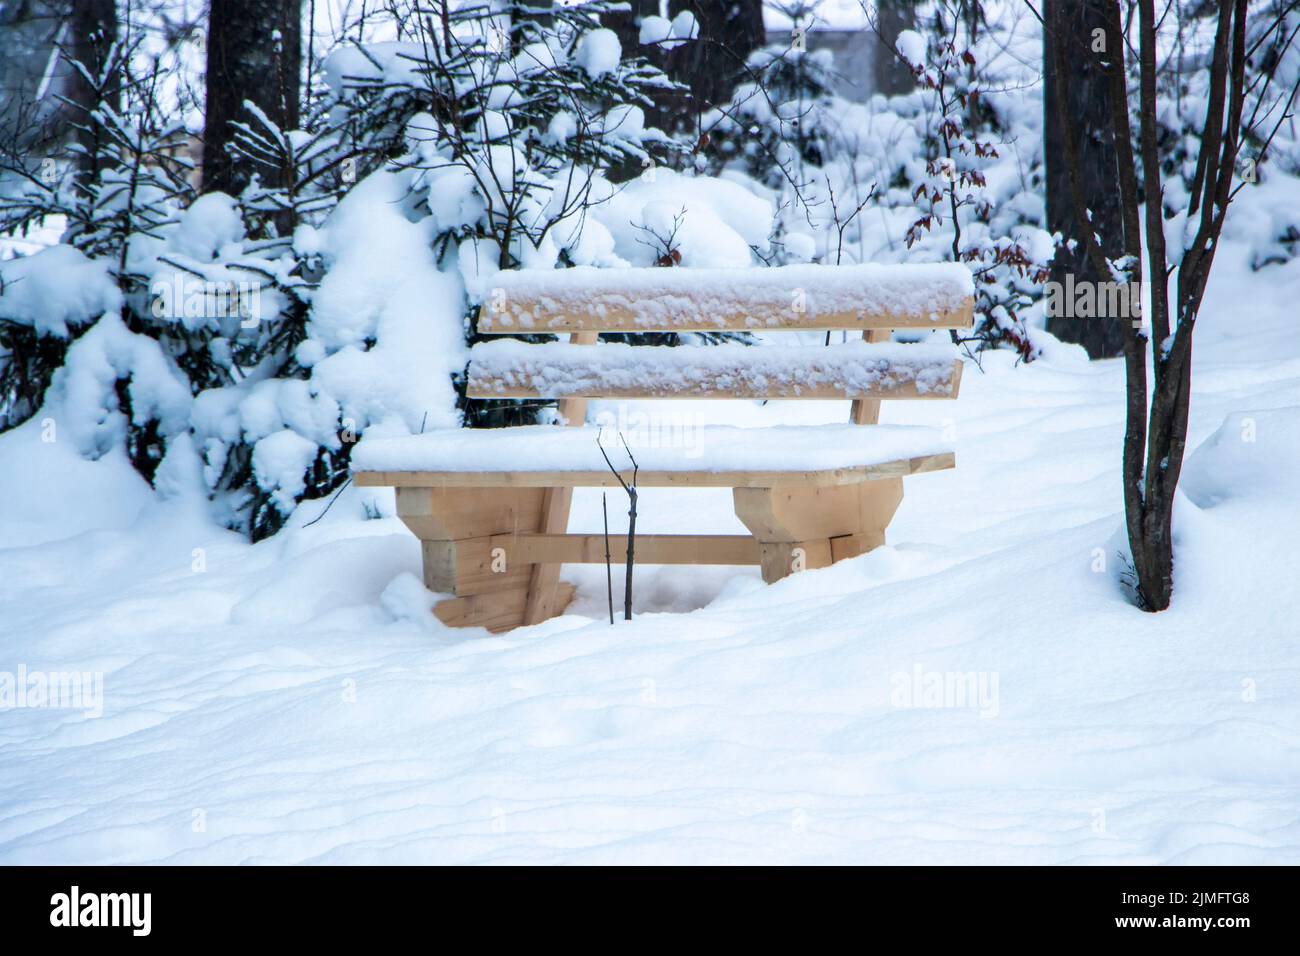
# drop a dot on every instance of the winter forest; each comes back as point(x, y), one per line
point(398, 461)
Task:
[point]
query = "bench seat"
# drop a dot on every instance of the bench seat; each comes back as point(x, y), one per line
point(715, 456)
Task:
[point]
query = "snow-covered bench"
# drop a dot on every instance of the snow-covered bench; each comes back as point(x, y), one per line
point(491, 507)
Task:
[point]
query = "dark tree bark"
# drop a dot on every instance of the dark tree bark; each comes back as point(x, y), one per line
point(890, 75)
point(1087, 109)
point(254, 53)
point(94, 31)
point(712, 65)
point(627, 25)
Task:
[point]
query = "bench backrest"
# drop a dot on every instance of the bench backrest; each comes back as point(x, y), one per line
point(872, 299)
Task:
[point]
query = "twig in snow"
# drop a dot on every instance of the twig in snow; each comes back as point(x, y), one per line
point(631, 519)
point(342, 488)
point(609, 570)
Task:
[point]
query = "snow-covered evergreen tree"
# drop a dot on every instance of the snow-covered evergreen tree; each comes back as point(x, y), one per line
point(257, 337)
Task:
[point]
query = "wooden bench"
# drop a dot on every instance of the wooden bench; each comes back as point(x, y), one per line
point(491, 507)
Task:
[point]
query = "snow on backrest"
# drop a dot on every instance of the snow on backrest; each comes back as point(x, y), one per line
point(508, 368)
point(758, 299)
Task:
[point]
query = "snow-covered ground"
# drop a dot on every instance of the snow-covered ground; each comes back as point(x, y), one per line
point(290, 702)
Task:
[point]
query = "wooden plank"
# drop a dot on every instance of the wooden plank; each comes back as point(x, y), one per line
point(497, 610)
point(785, 513)
point(780, 559)
point(445, 513)
point(803, 528)
point(650, 548)
point(711, 300)
point(878, 501)
point(543, 589)
point(851, 545)
point(472, 566)
point(616, 318)
point(656, 479)
point(722, 387)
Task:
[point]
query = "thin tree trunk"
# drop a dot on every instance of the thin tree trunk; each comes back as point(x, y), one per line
point(1156, 440)
point(889, 75)
point(631, 553)
point(609, 569)
point(712, 65)
point(94, 31)
point(254, 53)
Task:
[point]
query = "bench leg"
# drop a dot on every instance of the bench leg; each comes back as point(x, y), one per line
point(800, 528)
point(545, 597)
point(460, 557)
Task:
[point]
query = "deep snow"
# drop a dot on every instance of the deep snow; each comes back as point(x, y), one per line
point(291, 702)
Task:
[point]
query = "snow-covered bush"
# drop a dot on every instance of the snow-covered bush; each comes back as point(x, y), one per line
point(997, 232)
point(781, 119)
point(252, 340)
point(1271, 148)
point(118, 194)
point(951, 170)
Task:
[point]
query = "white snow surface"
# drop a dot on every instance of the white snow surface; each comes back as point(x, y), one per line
point(709, 448)
point(291, 702)
point(558, 369)
point(599, 52)
point(53, 287)
point(664, 299)
point(669, 34)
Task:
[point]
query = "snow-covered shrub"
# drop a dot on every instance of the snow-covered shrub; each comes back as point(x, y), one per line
point(999, 236)
point(44, 299)
point(260, 336)
point(507, 134)
point(117, 196)
point(951, 170)
point(255, 411)
point(1271, 148)
point(781, 119)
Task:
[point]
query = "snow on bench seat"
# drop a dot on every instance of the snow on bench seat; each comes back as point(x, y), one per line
point(871, 296)
point(538, 456)
point(514, 369)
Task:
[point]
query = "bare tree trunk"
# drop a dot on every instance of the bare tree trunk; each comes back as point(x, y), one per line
point(609, 570)
point(712, 65)
point(1072, 25)
point(891, 76)
point(254, 53)
point(627, 25)
point(94, 31)
point(631, 551)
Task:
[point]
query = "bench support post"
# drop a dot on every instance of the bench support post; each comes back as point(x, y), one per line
point(545, 596)
point(465, 536)
point(800, 528)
